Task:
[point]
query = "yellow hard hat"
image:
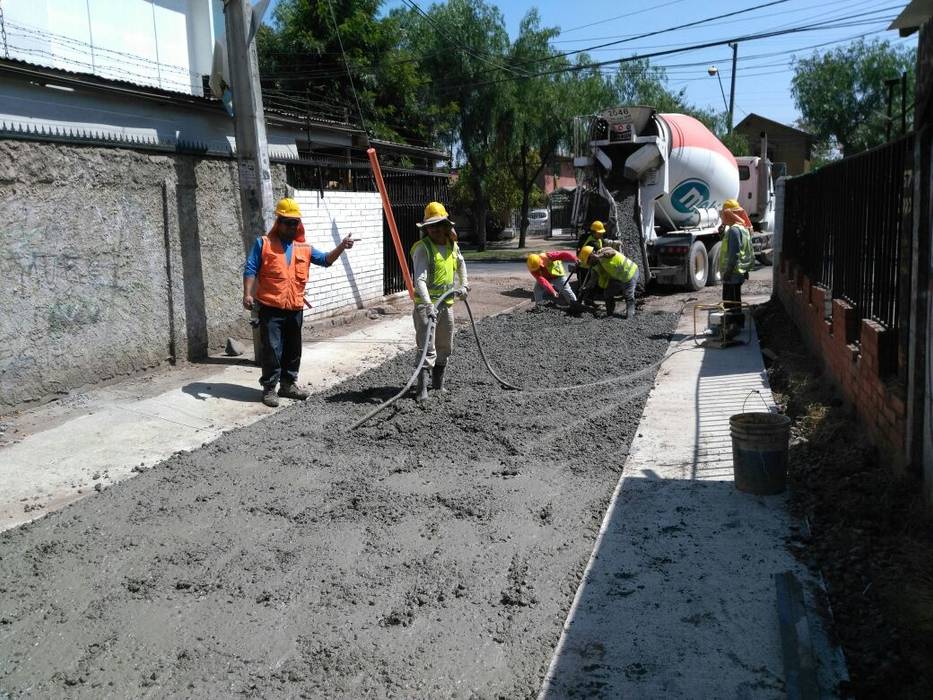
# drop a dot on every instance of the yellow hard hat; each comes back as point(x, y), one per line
point(534, 262)
point(585, 253)
point(288, 208)
point(597, 227)
point(731, 204)
point(434, 213)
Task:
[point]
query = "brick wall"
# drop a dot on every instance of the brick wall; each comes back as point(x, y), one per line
point(356, 277)
point(859, 355)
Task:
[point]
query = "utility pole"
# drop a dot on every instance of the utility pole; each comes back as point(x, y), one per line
point(735, 55)
point(252, 149)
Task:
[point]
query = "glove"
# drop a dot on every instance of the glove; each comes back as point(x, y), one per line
point(463, 291)
point(428, 311)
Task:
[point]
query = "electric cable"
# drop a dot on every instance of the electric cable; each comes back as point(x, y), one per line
point(693, 47)
point(356, 97)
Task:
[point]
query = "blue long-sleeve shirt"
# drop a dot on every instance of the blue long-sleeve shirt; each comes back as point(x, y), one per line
point(254, 261)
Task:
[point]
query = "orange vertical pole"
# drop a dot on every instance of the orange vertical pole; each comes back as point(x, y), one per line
point(390, 217)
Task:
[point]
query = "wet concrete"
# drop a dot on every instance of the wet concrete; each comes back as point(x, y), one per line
point(435, 552)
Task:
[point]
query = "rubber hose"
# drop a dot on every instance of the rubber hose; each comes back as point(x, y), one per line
point(432, 325)
point(482, 354)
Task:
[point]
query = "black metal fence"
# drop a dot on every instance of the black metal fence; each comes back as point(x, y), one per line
point(845, 226)
point(560, 205)
point(409, 191)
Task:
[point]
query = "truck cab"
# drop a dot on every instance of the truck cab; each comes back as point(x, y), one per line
point(756, 195)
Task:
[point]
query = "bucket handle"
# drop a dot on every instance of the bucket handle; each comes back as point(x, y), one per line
point(756, 391)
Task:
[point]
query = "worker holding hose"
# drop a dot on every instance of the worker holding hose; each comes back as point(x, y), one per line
point(614, 274)
point(274, 277)
point(436, 262)
point(547, 268)
point(736, 257)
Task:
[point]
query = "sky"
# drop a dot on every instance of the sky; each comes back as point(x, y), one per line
point(764, 66)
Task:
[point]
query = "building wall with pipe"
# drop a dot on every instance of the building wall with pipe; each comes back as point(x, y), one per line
point(115, 261)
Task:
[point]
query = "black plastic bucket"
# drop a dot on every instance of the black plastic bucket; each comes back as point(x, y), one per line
point(759, 452)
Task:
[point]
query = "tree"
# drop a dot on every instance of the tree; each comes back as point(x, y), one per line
point(303, 68)
point(461, 47)
point(539, 120)
point(842, 96)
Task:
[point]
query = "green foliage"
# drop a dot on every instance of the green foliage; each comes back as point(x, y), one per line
point(842, 95)
point(303, 69)
point(736, 143)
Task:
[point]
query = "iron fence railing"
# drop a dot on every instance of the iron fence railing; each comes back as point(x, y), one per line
point(845, 223)
point(409, 191)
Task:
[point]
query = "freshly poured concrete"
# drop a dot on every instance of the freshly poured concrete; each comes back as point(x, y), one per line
point(678, 599)
point(116, 429)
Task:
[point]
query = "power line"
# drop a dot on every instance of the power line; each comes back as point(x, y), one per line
point(625, 16)
point(669, 52)
point(670, 29)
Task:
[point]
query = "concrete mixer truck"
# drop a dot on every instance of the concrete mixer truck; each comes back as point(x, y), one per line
point(659, 181)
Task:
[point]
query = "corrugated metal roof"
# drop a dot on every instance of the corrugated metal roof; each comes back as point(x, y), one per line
point(62, 75)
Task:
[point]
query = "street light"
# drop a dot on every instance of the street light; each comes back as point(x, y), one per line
point(713, 70)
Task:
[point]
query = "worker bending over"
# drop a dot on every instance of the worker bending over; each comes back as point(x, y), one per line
point(274, 277)
point(596, 240)
point(436, 260)
point(614, 274)
point(548, 268)
point(736, 257)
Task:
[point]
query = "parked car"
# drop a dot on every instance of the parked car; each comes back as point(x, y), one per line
point(539, 221)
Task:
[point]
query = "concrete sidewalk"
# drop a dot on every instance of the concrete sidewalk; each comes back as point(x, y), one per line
point(678, 599)
point(105, 435)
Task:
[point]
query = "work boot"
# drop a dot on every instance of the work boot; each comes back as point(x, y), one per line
point(293, 391)
point(610, 308)
point(437, 378)
point(269, 398)
point(423, 385)
point(630, 308)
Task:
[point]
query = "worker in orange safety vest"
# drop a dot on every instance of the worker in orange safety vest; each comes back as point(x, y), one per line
point(274, 278)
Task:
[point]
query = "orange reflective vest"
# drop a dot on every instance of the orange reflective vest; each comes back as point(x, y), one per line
point(280, 284)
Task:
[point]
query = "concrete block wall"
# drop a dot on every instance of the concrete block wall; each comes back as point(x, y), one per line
point(114, 261)
point(356, 278)
point(859, 355)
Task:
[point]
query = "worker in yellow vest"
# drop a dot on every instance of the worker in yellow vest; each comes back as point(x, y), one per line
point(615, 274)
point(274, 278)
point(736, 259)
point(595, 239)
point(436, 262)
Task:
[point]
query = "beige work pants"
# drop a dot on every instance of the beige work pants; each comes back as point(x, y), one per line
point(443, 344)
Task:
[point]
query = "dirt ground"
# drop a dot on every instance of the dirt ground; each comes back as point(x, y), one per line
point(869, 532)
point(432, 553)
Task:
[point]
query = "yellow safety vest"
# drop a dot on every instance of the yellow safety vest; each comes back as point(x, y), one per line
point(620, 268)
point(746, 255)
point(441, 269)
point(595, 243)
point(555, 268)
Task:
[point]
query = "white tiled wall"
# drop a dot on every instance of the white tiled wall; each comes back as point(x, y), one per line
point(356, 277)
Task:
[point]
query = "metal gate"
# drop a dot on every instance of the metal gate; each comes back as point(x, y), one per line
point(846, 225)
point(409, 191)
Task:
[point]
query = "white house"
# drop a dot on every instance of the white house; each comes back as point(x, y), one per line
point(166, 44)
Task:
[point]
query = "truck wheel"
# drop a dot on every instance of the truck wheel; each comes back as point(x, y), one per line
point(697, 267)
point(715, 274)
